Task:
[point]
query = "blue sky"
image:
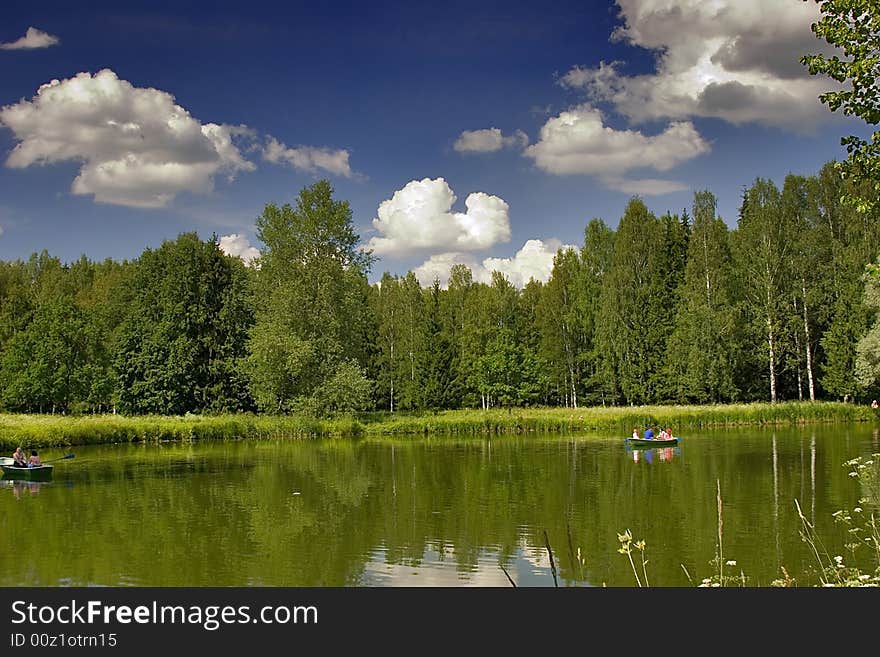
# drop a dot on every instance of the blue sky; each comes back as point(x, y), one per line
point(483, 133)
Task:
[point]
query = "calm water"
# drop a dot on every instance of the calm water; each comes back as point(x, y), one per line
point(438, 512)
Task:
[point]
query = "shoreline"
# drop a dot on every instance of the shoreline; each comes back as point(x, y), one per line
point(42, 431)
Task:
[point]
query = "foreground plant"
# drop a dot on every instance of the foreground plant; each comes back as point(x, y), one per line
point(626, 547)
point(861, 526)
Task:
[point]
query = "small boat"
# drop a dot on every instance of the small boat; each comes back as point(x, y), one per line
point(39, 473)
point(653, 442)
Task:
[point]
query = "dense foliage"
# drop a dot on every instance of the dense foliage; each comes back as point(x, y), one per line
point(853, 27)
point(671, 309)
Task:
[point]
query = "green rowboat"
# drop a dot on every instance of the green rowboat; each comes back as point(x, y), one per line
point(40, 473)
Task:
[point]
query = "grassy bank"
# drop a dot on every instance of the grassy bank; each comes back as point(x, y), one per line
point(40, 431)
point(617, 419)
point(56, 430)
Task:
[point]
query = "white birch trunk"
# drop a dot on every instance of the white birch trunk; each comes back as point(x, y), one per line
point(807, 345)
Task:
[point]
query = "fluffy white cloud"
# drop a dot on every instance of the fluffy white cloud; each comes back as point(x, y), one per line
point(419, 217)
point(32, 39)
point(488, 140)
point(737, 60)
point(308, 158)
point(577, 141)
point(238, 245)
point(136, 146)
point(439, 265)
point(533, 260)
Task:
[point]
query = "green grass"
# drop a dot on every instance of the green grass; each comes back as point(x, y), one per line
point(615, 419)
point(39, 431)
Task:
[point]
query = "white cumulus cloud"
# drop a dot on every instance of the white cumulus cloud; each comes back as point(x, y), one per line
point(577, 141)
point(488, 140)
point(533, 261)
point(736, 60)
point(419, 217)
point(135, 146)
point(308, 158)
point(438, 267)
point(31, 40)
point(238, 245)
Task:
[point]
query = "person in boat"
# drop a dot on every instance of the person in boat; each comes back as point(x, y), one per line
point(18, 458)
point(669, 433)
point(663, 435)
point(649, 434)
point(34, 460)
point(635, 433)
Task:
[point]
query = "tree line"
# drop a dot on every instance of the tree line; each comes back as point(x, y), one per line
point(677, 308)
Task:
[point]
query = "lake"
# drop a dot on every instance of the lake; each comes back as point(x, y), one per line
point(433, 511)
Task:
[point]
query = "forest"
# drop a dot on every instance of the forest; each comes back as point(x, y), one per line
point(672, 309)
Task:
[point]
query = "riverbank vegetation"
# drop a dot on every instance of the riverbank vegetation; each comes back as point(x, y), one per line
point(43, 431)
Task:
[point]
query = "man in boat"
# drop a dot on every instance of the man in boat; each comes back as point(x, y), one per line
point(34, 461)
point(649, 434)
point(18, 459)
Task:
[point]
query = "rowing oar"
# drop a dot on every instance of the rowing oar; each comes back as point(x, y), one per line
point(60, 458)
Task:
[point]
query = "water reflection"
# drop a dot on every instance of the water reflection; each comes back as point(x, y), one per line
point(439, 511)
point(648, 455)
point(21, 487)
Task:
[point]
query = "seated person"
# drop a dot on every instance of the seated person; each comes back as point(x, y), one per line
point(649, 434)
point(34, 461)
point(18, 458)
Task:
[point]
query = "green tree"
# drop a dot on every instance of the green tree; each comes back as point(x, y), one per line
point(455, 313)
point(530, 337)
point(867, 366)
point(563, 324)
point(762, 256)
point(853, 26)
point(347, 391)
point(438, 358)
point(676, 236)
point(854, 235)
point(632, 307)
point(702, 347)
point(310, 296)
point(398, 305)
point(179, 346)
point(43, 367)
point(385, 301)
point(808, 283)
point(412, 343)
point(597, 257)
